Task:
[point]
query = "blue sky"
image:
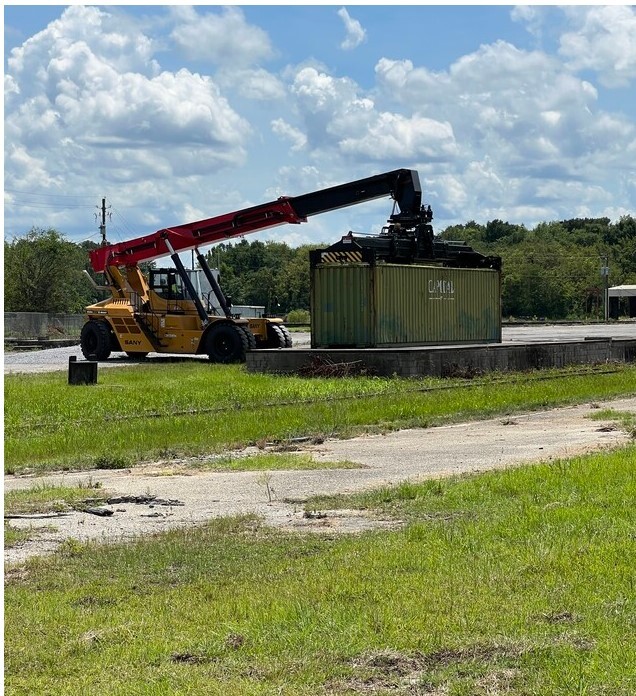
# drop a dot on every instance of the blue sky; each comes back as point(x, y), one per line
point(175, 113)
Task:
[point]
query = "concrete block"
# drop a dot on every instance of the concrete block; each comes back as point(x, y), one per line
point(440, 361)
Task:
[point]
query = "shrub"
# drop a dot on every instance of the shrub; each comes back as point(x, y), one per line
point(298, 316)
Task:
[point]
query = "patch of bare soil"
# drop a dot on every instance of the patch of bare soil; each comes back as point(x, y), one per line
point(391, 672)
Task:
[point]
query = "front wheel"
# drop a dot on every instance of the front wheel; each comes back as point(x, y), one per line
point(226, 343)
point(95, 340)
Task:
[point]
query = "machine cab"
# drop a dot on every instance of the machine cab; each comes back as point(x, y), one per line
point(167, 283)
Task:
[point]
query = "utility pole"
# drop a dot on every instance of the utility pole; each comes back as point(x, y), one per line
point(102, 225)
point(605, 276)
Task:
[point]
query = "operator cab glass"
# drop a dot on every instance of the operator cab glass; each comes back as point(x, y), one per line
point(167, 284)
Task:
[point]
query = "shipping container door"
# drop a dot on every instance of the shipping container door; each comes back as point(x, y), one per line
point(341, 306)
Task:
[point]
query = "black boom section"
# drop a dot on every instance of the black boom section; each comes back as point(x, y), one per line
point(403, 185)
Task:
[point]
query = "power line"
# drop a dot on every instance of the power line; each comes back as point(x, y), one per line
point(33, 199)
point(49, 206)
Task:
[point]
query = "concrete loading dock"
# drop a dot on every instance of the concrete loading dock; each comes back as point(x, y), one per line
point(604, 344)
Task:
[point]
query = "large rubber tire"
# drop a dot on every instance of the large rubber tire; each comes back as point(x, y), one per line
point(226, 343)
point(288, 338)
point(275, 337)
point(95, 340)
point(251, 339)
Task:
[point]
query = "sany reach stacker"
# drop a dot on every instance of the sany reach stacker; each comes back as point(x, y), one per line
point(165, 313)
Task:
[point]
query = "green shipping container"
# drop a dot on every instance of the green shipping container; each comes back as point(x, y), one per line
point(364, 306)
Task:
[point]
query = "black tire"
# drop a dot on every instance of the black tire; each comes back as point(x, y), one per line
point(136, 356)
point(226, 343)
point(288, 338)
point(275, 337)
point(95, 340)
point(251, 339)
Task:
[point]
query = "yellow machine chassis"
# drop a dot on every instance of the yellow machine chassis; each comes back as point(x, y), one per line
point(143, 322)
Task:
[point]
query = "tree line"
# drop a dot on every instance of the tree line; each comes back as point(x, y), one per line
point(551, 271)
point(554, 269)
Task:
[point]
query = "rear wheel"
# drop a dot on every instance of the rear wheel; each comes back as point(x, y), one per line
point(288, 338)
point(95, 340)
point(275, 337)
point(251, 339)
point(226, 343)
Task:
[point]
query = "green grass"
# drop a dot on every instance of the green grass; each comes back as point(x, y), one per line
point(142, 413)
point(269, 461)
point(515, 582)
point(46, 498)
point(43, 498)
point(14, 536)
point(625, 420)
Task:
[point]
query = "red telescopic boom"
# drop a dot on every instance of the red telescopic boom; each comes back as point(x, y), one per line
point(194, 234)
point(402, 184)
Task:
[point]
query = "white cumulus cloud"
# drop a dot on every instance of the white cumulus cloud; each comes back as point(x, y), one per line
point(355, 33)
point(89, 103)
point(532, 120)
point(396, 137)
point(225, 38)
point(252, 83)
point(604, 40)
point(283, 129)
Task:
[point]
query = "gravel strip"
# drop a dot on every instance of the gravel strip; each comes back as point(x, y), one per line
point(383, 460)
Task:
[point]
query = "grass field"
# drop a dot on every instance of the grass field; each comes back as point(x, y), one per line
point(517, 582)
point(193, 409)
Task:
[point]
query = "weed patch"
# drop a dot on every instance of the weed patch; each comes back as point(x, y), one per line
point(624, 420)
point(16, 536)
point(45, 498)
point(112, 462)
point(270, 461)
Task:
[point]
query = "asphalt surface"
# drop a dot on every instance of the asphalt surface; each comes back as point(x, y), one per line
point(57, 358)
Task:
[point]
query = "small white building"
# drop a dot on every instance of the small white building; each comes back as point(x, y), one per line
point(616, 294)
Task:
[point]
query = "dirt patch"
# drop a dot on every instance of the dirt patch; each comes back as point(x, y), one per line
point(392, 672)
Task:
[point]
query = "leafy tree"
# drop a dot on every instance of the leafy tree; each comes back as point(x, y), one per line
point(550, 271)
point(472, 233)
point(497, 230)
point(43, 273)
point(270, 274)
point(293, 283)
point(553, 270)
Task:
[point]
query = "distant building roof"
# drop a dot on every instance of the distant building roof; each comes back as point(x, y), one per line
point(622, 291)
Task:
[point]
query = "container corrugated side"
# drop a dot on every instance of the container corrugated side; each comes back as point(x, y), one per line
point(436, 305)
point(386, 305)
